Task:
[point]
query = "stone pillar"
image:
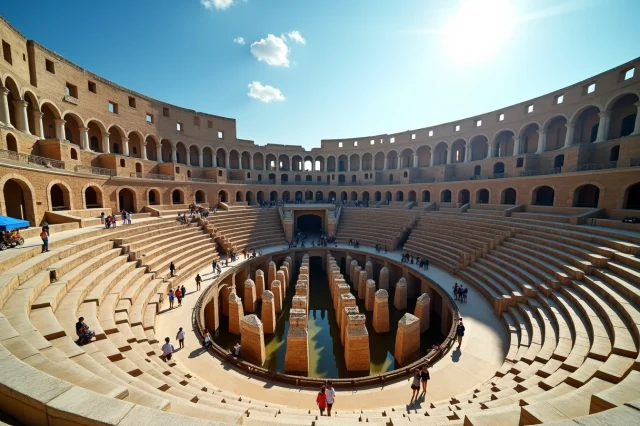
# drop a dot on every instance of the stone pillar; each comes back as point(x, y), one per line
point(386, 162)
point(432, 160)
point(355, 278)
point(259, 284)
point(352, 265)
point(381, 311)
point(368, 267)
point(174, 154)
point(125, 147)
point(252, 340)
point(349, 310)
point(84, 137)
point(201, 158)
point(603, 127)
point(423, 305)
point(59, 129)
point(362, 284)
point(268, 313)
point(159, 152)
point(37, 119)
point(415, 160)
point(236, 313)
point(285, 271)
point(383, 280)
point(542, 141)
point(22, 121)
point(276, 288)
point(224, 295)
point(302, 289)
point(280, 277)
point(345, 300)
point(347, 266)
point(299, 302)
point(370, 295)
point(568, 139)
point(106, 146)
point(296, 358)
point(516, 145)
point(4, 107)
point(271, 274)
point(356, 353)
point(636, 126)
point(144, 150)
point(250, 300)
point(407, 347)
point(400, 295)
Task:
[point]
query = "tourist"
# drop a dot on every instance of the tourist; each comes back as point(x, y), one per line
point(114, 223)
point(460, 332)
point(199, 280)
point(424, 377)
point(219, 267)
point(321, 400)
point(44, 234)
point(180, 337)
point(331, 397)
point(171, 299)
point(102, 218)
point(207, 340)
point(83, 332)
point(236, 350)
point(172, 268)
point(464, 294)
point(129, 218)
point(455, 291)
point(167, 350)
point(415, 385)
point(178, 294)
point(123, 214)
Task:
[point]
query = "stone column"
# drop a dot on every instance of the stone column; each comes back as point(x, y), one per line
point(347, 266)
point(370, 295)
point(252, 340)
point(352, 266)
point(348, 310)
point(22, 121)
point(84, 137)
point(296, 358)
point(415, 160)
point(276, 288)
point(422, 310)
point(356, 353)
point(355, 278)
point(302, 289)
point(259, 284)
point(636, 126)
point(386, 162)
point(271, 274)
point(432, 160)
point(4, 107)
point(285, 271)
point(383, 280)
point(568, 139)
point(250, 300)
point(144, 150)
point(60, 129)
point(343, 301)
point(400, 295)
point(369, 268)
point(236, 313)
point(407, 347)
point(174, 154)
point(159, 153)
point(603, 127)
point(268, 313)
point(280, 277)
point(542, 141)
point(362, 284)
point(125, 147)
point(381, 311)
point(106, 148)
point(201, 158)
point(299, 302)
point(516, 144)
point(37, 119)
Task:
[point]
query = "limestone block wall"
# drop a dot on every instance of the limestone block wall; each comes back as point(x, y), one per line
point(357, 355)
point(407, 346)
point(381, 311)
point(297, 353)
point(268, 312)
point(252, 340)
point(236, 313)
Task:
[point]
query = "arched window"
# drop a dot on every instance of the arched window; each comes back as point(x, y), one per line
point(94, 144)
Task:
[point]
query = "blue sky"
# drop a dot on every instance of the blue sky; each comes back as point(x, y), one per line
point(344, 68)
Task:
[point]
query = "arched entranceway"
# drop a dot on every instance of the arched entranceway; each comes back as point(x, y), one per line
point(464, 196)
point(445, 196)
point(543, 196)
point(59, 198)
point(154, 197)
point(482, 197)
point(18, 201)
point(126, 200)
point(586, 196)
point(309, 223)
point(92, 198)
point(632, 197)
point(509, 196)
point(222, 197)
point(200, 196)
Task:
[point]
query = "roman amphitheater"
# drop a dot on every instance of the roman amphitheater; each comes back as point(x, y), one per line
point(523, 206)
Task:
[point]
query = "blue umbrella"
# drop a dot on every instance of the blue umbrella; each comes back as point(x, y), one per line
point(10, 223)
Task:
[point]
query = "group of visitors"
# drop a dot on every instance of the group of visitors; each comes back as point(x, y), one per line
point(379, 248)
point(217, 267)
point(179, 293)
point(354, 243)
point(326, 397)
point(299, 238)
point(422, 262)
point(324, 241)
point(420, 377)
point(250, 253)
point(460, 292)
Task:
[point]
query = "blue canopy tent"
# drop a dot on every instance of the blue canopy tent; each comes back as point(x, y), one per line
point(9, 223)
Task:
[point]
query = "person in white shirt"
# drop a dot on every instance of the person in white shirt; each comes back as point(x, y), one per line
point(331, 397)
point(236, 350)
point(180, 337)
point(207, 340)
point(129, 218)
point(167, 350)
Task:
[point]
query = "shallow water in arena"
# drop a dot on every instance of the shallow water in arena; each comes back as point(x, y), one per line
point(326, 353)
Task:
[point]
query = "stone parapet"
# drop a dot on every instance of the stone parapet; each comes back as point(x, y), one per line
point(369, 295)
point(400, 295)
point(236, 313)
point(356, 353)
point(383, 279)
point(407, 346)
point(381, 311)
point(252, 340)
point(268, 313)
point(422, 311)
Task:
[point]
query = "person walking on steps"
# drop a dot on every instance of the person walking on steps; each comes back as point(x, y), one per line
point(167, 350)
point(183, 290)
point(424, 377)
point(460, 332)
point(178, 294)
point(172, 269)
point(172, 297)
point(180, 337)
point(331, 397)
point(415, 385)
point(321, 400)
point(44, 234)
point(198, 281)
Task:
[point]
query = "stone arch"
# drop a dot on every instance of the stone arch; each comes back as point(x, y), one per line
point(623, 114)
point(343, 163)
point(273, 196)
point(479, 146)
point(331, 163)
point(284, 162)
point(406, 158)
point(72, 126)
point(181, 153)
point(307, 163)
point(17, 198)
point(194, 155)
point(245, 160)
point(498, 169)
point(12, 142)
point(136, 144)
point(387, 196)
point(271, 162)
point(585, 122)
point(297, 165)
point(127, 199)
point(319, 163)
point(92, 196)
point(543, 195)
point(365, 196)
point(556, 131)
point(483, 196)
point(458, 151)
point(631, 197)
point(239, 196)
point(377, 196)
point(424, 156)
point(354, 162)
point(529, 138)
point(440, 153)
point(445, 196)
point(586, 195)
point(426, 196)
point(223, 196)
point(258, 161)
point(399, 196)
point(177, 196)
point(96, 133)
point(412, 196)
point(221, 158)
point(260, 197)
point(32, 101)
point(153, 196)
point(464, 196)
point(207, 157)
point(508, 196)
point(50, 113)
point(59, 196)
point(13, 96)
point(503, 143)
point(200, 196)
point(116, 136)
point(367, 161)
point(392, 159)
point(378, 161)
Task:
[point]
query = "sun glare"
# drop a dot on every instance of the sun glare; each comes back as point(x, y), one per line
point(478, 29)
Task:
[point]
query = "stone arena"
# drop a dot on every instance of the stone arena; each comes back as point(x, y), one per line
point(523, 206)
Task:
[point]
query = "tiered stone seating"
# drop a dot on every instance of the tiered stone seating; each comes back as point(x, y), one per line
point(371, 226)
point(248, 227)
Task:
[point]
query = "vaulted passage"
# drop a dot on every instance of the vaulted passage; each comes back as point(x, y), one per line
point(310, 223)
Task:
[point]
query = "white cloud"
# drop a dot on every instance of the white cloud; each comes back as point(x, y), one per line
point(264, 93)
point(239, 40)
point(273, 50)
point(297, 37)
point(218, 4)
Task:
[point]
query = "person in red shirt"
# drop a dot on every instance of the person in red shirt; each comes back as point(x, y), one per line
point(321, 400)
point(178, 295)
